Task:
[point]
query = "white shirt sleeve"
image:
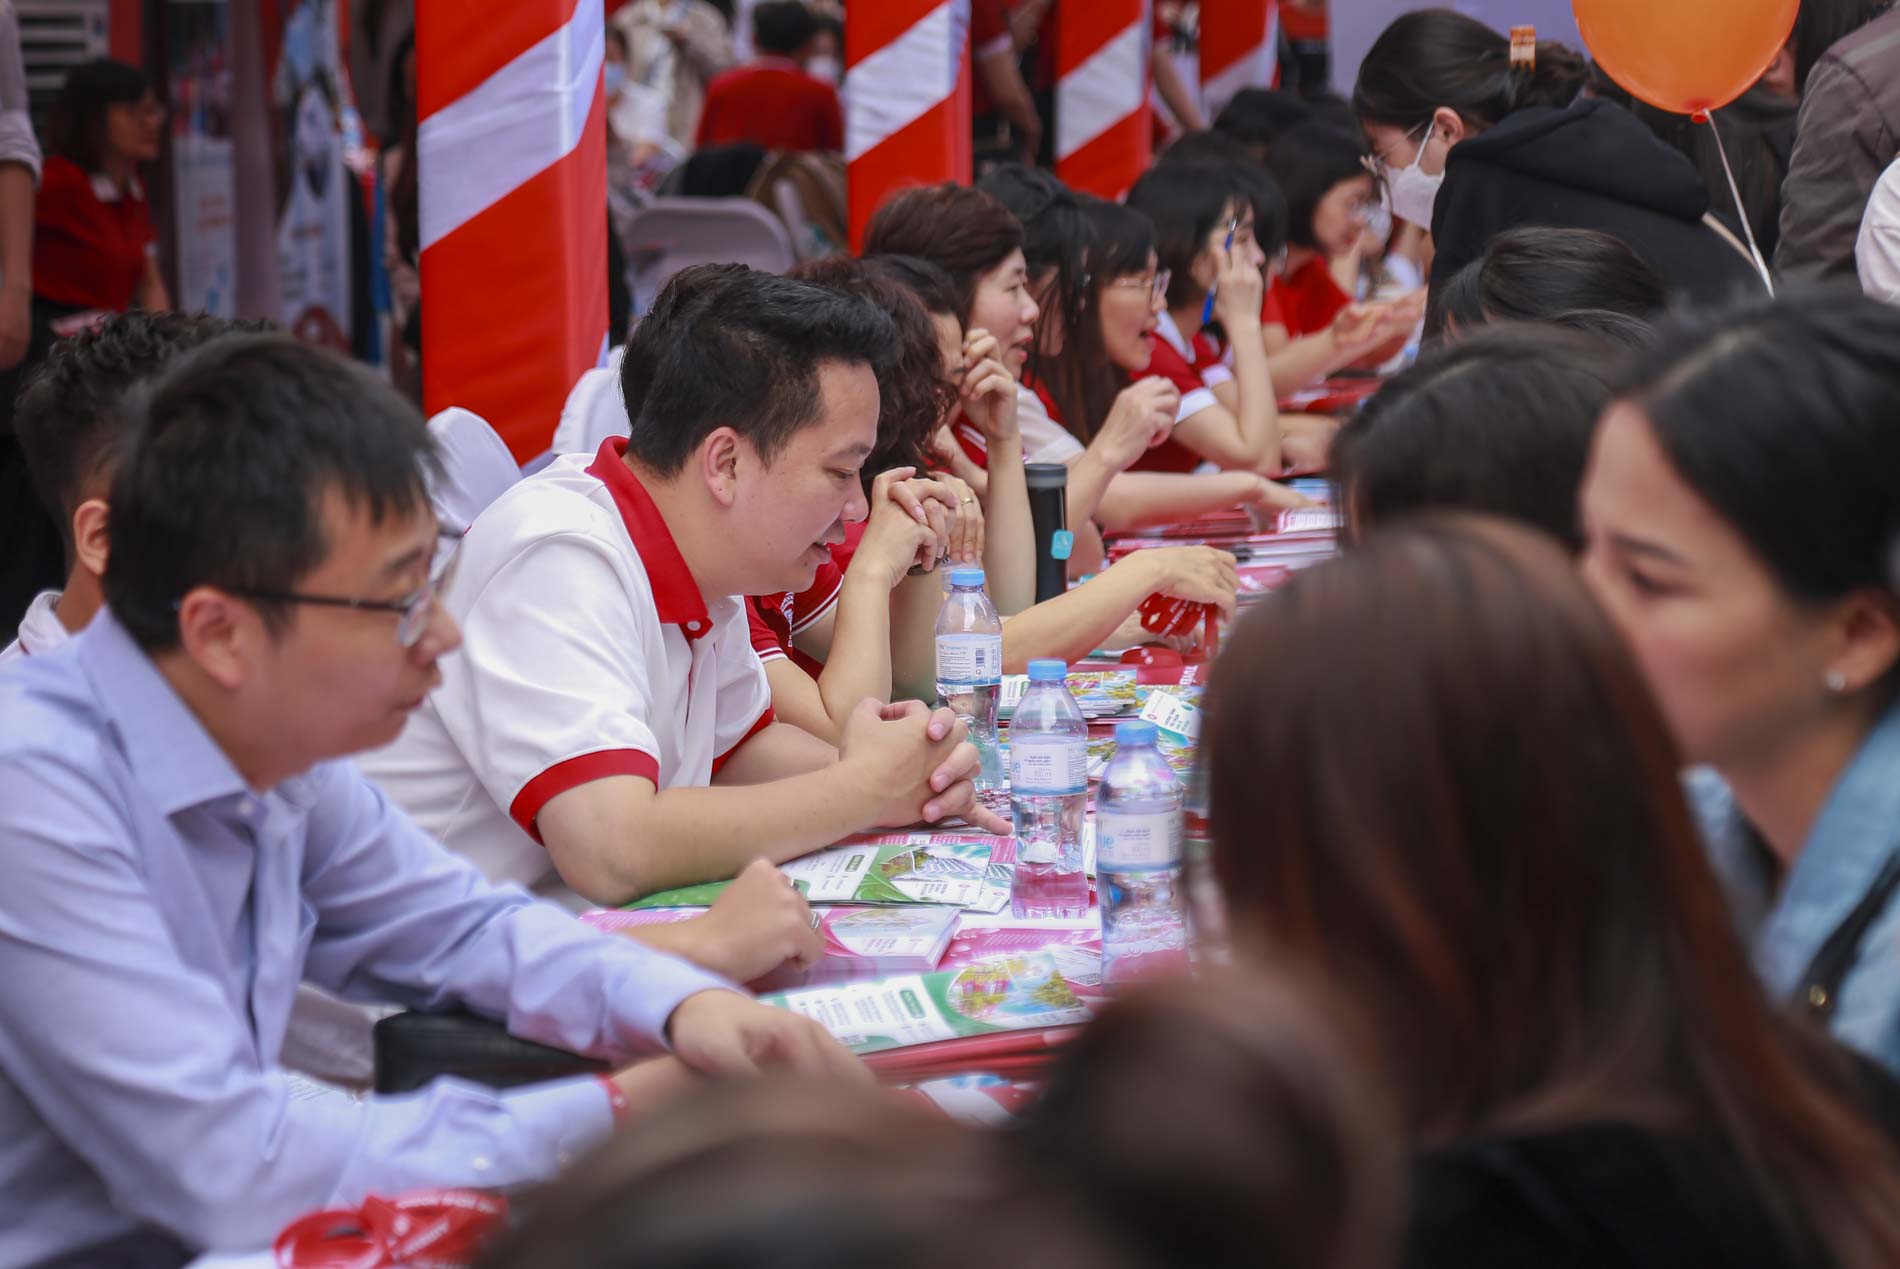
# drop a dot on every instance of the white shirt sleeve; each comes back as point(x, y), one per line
point(1878, 251)
point(1044, 439)
point(551, 688)
point(745, 697)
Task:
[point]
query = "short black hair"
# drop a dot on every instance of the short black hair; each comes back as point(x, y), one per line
point(1269, 204)
point(1500, 423)
point(1619, 330)
point(233, 451)
point(729, 346)
point(70, 422)
point(1186, 201)
point(1257, 116)
point(1307, 161)
point(1535, 272)
point(782, 27)
point(76, 125)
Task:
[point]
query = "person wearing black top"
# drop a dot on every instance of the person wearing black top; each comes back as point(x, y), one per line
point(1472, 144)
point(1440, 789)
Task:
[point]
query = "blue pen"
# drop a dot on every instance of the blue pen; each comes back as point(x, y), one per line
point(1207, 309)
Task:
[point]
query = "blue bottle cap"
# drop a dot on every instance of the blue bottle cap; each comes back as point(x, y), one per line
point(966, 577)
point(1050, 671)
point(1136, 732)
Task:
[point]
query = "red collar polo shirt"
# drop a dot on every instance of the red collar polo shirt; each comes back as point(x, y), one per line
point(587, 652)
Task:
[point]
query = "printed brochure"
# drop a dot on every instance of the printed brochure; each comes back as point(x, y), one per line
point(1020, 991)
point(943, 868)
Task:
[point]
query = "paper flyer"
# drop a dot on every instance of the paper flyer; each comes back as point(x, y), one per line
point(859, 941)
point(1011, 992)
point(945, 868)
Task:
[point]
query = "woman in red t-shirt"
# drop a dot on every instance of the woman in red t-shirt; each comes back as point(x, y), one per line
point(93, 242)
point(1330, 196)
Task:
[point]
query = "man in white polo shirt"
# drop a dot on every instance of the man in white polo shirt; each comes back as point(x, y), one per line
point(608, 720)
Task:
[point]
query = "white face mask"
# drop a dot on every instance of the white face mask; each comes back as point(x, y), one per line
point(825, 68)
point(1413, 190)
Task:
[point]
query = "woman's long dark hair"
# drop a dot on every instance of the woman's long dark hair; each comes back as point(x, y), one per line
point(1056, 237)
point(1083, 379)
point(1438, 57)
point(1474, 830)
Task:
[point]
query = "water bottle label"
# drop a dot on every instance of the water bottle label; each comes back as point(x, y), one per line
point(1129, 842)
point(970, 659)
point(1048, 770)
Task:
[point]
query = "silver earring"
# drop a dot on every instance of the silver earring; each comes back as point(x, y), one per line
point(1836, 681)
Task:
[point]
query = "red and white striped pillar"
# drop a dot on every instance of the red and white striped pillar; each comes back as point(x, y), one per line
point(1239, 48)
point(1104, 124)
point(906, 99)
point(514, 208)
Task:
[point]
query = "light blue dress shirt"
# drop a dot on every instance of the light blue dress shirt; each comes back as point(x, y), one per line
point(155, 919)
point(1855, 835)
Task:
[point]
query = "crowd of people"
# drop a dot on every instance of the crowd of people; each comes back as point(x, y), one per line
point(1555, 823)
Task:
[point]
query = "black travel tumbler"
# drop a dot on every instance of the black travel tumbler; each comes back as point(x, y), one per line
point(1049, 513)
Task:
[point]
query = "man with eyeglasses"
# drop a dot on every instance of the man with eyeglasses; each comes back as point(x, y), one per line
point(182, 846)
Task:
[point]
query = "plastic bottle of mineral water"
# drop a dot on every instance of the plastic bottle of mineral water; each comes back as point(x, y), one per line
point(970, 667)
point(1138, 860)
point(1049, 793)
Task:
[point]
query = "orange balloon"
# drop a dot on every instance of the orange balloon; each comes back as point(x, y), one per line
point(1685, 55)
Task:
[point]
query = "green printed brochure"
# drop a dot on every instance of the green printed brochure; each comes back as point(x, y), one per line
point(1024, 991)
point(947, 868)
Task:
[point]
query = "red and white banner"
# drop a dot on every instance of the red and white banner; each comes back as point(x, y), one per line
point(513, 208)
point(1239, 48)
point(906, 99)
point(1104, 125)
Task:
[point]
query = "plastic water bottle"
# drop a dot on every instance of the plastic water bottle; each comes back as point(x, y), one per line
point(1049, 793)
point(1138, 860)
point(970, 667)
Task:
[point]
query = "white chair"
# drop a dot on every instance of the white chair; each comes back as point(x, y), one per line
point(476, 467)
point(670, 234)
point(594, 410)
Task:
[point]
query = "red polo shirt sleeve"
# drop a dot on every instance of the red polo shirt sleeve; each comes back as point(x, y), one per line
point(87, 252)
point(771, 635)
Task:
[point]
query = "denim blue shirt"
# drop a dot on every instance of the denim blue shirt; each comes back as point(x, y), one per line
point(1857, 832)
point(156, 916)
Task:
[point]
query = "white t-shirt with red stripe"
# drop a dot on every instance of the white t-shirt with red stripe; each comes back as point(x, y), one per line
point(587, 652)
point(1045, 440)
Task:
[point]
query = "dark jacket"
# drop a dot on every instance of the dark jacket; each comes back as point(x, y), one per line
point(1592, 165)
point(1848, 132)
point(1596, 1197)
point(1612, 1196)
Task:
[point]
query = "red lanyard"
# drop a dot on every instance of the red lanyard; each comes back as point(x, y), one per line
point(434, 1229)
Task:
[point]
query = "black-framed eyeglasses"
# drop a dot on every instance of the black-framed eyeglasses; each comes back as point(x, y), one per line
point(413, 610)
